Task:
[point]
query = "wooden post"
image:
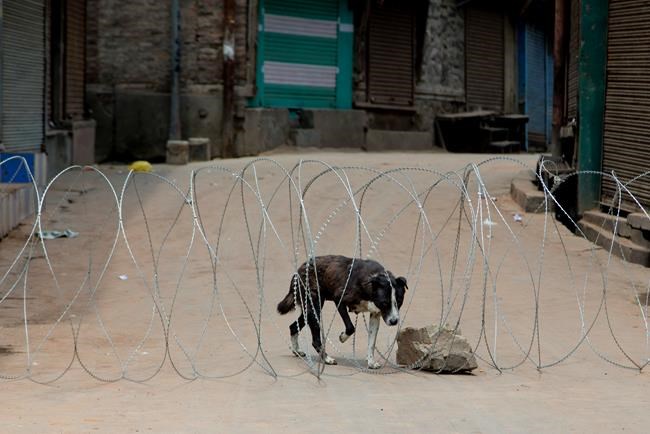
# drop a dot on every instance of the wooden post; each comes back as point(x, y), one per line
point(559, 67)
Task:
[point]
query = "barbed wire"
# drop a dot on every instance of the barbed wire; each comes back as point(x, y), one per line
point(234, 240)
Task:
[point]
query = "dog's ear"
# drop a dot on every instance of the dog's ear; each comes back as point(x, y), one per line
point(372, 281)
point(402, 282)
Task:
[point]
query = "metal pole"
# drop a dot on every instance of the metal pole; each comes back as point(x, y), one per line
point(591, 98)
point(174, 118)
point(228, 78)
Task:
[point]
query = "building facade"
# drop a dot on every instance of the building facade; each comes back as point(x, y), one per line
point(370, 74)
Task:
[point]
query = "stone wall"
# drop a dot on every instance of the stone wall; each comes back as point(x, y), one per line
point(442, 74)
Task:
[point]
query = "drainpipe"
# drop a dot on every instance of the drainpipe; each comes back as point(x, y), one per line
point(228, 51)
point(559, 44)
point(174, 118)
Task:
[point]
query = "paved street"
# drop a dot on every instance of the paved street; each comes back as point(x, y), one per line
point(582, 393)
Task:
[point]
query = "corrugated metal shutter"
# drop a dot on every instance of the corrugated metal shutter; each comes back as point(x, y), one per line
point(300, 53)
point(391, 53)
point(626, 144)
point(75, 58)
point(484, 58)
point(23, 74)
point(536, 86)
point(574, 53)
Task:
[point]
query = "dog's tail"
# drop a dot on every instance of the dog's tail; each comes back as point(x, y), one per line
point(287, 304)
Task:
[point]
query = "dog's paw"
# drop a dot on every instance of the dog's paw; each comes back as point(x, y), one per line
point(329, 360)
point(299, 353)
point(373, 365)
point(343, 337)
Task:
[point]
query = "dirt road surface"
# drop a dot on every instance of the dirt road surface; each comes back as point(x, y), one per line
point(239, 344)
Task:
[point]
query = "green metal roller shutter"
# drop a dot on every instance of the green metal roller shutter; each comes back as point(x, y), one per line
point(23, 74)
point(300, 53)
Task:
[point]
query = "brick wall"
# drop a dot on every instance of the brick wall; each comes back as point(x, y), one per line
point(128, 43)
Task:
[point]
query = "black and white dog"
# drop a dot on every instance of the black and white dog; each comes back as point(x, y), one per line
point(370, 288)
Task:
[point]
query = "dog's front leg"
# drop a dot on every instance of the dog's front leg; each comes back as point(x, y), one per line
point(349, 327)
point(373, 329)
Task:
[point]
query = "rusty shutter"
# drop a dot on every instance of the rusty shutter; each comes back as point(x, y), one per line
point(484, 58)
point(22, 102)
point(574, 52)
point(626, 147)
point(75, 26)
point(391, 53)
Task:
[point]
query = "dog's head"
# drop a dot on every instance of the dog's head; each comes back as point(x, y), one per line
point(388, 295)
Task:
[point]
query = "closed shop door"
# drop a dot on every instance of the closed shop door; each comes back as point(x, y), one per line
point(538, 86)
point(626, 144)
point(484, 58)
point(300, 54)
point(23, 74)
point(391, 53)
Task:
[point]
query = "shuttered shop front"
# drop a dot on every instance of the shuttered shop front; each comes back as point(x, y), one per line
point(23, 74)
point(391, 53)
point(484, 58)
point(302, 47)
point(626, 142)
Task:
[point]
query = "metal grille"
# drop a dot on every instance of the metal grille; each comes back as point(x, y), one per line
point(484, 58)
point(626, 145)
point(23, 74)
point(574, 51)
point(391, 53)
point(75, 58)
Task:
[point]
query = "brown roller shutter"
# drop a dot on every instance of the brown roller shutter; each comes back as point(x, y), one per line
point(484, 58)
point(75, 58)
point(391, 53)
point(626, 144)
point(574, 51)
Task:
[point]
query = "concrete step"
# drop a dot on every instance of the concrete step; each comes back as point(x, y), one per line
point(378, 140)
point(623, 248)
point(608, 221)
point(528, 197)
point(641, 237)
point(639, 221)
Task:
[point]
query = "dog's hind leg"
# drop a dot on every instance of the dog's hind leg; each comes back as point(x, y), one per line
point(313, 319)
point(349, 327)
point(294, 329)
point(373, 329)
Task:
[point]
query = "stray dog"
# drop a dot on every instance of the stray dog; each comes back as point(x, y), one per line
point(356, 285)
